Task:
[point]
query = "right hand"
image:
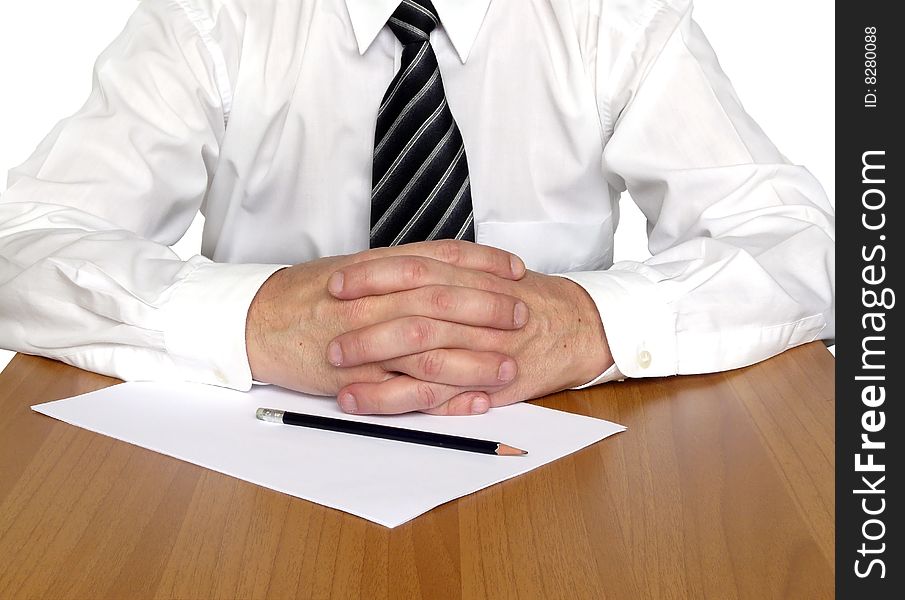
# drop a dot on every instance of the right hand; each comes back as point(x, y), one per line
point(293, 317)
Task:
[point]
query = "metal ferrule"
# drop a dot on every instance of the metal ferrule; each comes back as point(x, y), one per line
point(270, 415)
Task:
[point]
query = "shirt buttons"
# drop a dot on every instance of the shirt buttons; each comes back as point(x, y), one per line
point(644, 359)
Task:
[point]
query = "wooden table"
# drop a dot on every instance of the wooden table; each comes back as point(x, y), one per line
point(722, 487)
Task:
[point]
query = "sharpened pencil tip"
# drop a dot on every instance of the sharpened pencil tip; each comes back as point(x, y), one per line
point(504, 450)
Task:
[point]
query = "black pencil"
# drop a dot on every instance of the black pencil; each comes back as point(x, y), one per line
point(412, 436)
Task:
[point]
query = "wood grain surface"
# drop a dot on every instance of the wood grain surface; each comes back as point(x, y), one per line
point(722, 487)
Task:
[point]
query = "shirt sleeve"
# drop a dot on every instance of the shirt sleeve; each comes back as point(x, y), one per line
point(742, 241)
point(86, 274)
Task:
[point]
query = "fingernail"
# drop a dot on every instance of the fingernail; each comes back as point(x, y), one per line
point(335, 283)
point(347, 403)
point(335, 354)
point(517, 266)
point(507, 371)
point(520, 314)
point(479, 405)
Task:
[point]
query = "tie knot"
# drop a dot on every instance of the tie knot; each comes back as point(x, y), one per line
point(413, 21)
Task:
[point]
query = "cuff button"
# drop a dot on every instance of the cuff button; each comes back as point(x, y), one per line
point(644, 359)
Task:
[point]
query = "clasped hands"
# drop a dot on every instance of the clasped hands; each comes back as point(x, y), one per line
point(444, 327)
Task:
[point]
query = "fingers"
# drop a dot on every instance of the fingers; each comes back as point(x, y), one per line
point(467, 306)
point(459, 253)
point(457, 367)
point(399, 273)
point(401, 337)
point(466, 403)
point(405, 394)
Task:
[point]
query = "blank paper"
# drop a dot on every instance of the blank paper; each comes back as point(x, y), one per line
point(383, 481)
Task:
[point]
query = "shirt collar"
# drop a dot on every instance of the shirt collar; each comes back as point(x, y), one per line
point(461, 19)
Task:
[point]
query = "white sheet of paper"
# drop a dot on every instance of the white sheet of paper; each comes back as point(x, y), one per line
point(383, 481)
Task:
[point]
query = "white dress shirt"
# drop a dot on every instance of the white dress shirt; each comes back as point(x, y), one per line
point(261, 114)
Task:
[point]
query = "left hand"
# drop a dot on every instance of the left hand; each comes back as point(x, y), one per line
point(563, 344)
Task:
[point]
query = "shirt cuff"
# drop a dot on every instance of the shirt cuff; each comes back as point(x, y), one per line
point(205, 318)
point(611, 374)
point(640, 327)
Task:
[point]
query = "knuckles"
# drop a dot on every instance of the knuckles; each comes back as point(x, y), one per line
point(359, 345)
point(414, 270)
point(450, 251)
point(426, 396)
point(486, 258)
point(441, 299)
point(499, 311)
point(417, 332)
point(488, 283)
point(432, 363)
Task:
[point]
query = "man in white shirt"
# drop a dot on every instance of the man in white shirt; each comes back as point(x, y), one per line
point(283, 122)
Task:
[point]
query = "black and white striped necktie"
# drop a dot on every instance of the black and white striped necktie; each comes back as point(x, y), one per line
point(420, 188)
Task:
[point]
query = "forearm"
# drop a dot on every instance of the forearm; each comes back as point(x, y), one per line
point(75, 288)
point(742, 240)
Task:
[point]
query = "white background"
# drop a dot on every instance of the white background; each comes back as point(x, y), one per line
point(778, 53)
